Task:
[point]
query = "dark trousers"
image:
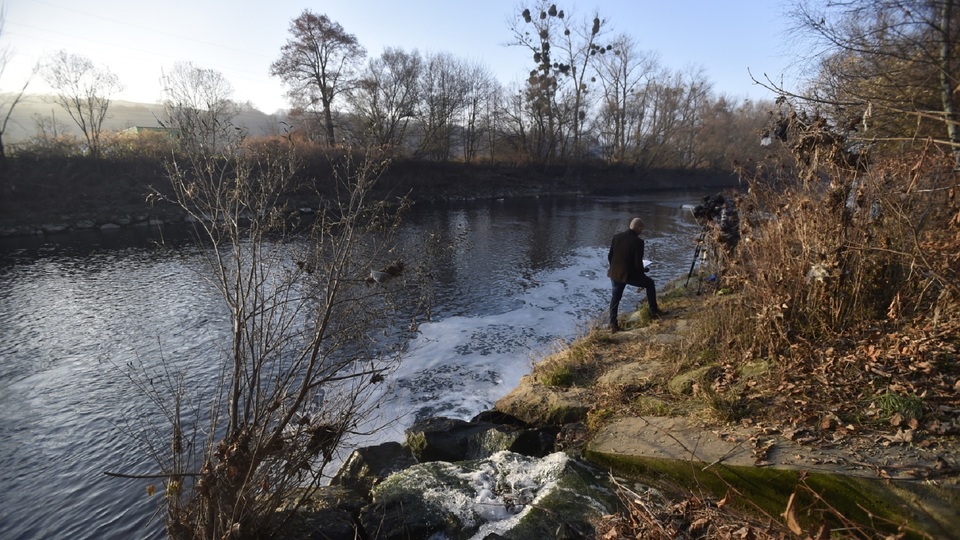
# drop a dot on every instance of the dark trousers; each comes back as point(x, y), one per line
point(619, 287)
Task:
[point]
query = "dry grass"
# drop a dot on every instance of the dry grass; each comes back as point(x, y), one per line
point(838, 313)
point(577, 364)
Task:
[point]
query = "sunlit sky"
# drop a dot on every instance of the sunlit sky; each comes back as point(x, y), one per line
point(240, 38)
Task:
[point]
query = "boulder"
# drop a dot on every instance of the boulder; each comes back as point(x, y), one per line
point(683, 383)
point(448, 439)
point(368, 466)
point(403, 517)
point(541, 405)
point(504, 496)
point(328, 512)
point(442, 439)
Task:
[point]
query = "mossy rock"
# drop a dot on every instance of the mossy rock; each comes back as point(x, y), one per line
point(873, 503)
point(682, 384)
point(541, 405)
point(505, 496)
point(755, 368)
point(650, 405)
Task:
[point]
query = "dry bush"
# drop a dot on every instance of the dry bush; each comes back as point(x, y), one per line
point(151, 144)
point(820, 258)
point(308, 352)
point(845, 281)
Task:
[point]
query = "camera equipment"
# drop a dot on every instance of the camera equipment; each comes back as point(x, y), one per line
point(699, 253)
point(715, 207)
point(710, 209)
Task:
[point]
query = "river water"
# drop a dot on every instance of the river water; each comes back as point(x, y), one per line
point(75, 309)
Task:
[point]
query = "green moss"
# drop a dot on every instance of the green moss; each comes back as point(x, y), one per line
point(755, 368)
point(652, 406)
point(871, 503)
point(683, 383)
point(557, 375)
point(892, 403)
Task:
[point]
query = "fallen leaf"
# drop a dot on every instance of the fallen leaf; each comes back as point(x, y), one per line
point(791, 517)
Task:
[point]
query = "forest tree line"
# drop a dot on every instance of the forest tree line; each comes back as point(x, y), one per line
point(883, 74)
point(590, 95)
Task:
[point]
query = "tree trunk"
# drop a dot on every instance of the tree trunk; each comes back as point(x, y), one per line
point(328, 123)
point(946, 84)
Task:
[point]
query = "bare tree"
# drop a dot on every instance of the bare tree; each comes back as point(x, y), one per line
point(622, 74)
point(198, 107)
point(582, 50)
point(385, 97)
point(561, 53)
point(478, 110)
point(84, 91)
point(532, 30)
point(444, 87)
point(7, 102)
point(317, 63)
point(309, 344)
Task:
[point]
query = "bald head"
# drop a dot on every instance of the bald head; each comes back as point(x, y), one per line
point(636, 225)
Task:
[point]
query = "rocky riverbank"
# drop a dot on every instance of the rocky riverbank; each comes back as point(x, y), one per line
point(637, 427)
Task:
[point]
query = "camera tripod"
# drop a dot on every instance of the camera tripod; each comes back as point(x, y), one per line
point(699, 253)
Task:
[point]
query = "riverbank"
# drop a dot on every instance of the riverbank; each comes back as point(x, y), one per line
point(647, 403)
point(632, 435)
point(61, 194)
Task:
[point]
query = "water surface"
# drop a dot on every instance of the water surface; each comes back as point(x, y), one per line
point(77, 310)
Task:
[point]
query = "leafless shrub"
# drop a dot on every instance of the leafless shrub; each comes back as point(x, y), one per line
point(313, 336)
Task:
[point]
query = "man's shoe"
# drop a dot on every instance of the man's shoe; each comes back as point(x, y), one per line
point(614, 328)
point(658, 314)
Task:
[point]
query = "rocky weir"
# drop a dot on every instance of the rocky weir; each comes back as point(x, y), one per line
point(492, 477)
point(532, 468)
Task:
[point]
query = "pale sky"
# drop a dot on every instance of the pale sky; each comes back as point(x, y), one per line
point(241, 38)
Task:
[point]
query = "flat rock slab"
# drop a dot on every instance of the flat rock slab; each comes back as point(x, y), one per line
point(632, 373)
point(684, 439)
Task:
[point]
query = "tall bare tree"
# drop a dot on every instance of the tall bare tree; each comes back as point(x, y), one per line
point(479, 109)
point(197, 105)
point(386, 96)
point(622, 74)
point(444, 87)
point(318, 63)
point(582, 50)
point(84, 90)
point(561, 52)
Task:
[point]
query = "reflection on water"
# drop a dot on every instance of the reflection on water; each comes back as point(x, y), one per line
point(513, 278)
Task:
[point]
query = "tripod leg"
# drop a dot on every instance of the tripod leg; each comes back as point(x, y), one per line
point(696, 255)
point(703, 259)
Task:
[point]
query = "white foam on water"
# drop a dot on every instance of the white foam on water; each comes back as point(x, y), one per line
point(498, 493)
point(459, 366)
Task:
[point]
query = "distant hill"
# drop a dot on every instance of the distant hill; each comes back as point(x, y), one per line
point(120, 116)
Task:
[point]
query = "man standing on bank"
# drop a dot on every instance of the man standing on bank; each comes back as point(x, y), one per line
point(626, 268)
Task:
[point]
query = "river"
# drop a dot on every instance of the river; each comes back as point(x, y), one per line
point(75, 309)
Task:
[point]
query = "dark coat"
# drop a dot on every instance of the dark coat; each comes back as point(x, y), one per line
point(626, 257)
